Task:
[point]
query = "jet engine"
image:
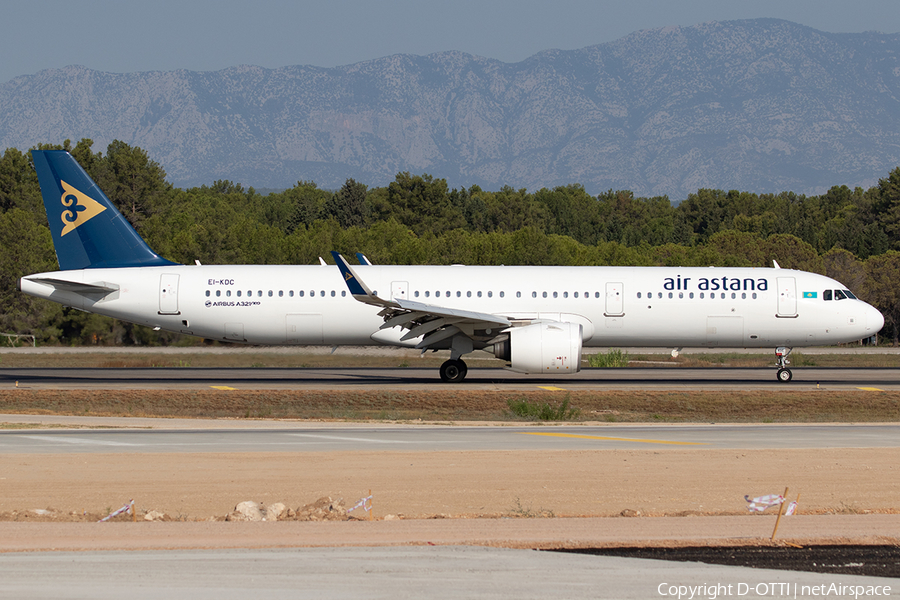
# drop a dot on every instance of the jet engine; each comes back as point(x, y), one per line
point(544, 347)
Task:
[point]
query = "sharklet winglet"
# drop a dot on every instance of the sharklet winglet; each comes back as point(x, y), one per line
point(358, 289)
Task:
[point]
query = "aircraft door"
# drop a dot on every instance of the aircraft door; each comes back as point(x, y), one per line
point(615, 300)
point(400, 290)
point(787, 297)
point(303, 329)
point(168, 294)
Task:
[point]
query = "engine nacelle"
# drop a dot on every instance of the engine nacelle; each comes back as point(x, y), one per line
point(546, 347)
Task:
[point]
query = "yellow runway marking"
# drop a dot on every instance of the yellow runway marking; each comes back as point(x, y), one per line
point(222, 387)
point(870, 389)
point(615, 439)
point(551, 388)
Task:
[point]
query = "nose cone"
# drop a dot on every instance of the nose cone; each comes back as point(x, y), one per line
point(874, 320)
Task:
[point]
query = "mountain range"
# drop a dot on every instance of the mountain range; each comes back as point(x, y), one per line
point(759, 105)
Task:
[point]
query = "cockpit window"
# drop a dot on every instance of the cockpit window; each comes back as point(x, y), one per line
point(849, 294)
point(839, 295)
point(826, 295)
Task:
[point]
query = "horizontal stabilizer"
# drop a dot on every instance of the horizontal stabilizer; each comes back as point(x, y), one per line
point(76, 286)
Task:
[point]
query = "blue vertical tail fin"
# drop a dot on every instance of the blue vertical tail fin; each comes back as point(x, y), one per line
point(88, 231)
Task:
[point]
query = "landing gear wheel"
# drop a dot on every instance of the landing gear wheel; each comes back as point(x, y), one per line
point(785, 375)
point(453, 371)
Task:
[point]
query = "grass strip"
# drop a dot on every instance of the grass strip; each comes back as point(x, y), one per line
point(817, 406)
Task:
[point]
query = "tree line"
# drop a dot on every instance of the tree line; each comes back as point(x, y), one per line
point(852, 235)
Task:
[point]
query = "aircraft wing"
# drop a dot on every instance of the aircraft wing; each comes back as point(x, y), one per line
point(431, 322)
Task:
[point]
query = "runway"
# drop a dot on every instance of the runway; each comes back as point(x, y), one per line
point(301, 438)
point(423, 379)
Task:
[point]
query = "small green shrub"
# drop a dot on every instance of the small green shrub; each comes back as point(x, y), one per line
point(613, 358)
point(542, 411)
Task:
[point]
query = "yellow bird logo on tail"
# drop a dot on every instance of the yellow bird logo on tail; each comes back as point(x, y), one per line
point(79, 208)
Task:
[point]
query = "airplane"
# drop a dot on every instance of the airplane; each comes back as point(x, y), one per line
point(537, 319)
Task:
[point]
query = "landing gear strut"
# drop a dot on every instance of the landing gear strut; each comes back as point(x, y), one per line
point(784, 374)
point(453, 371)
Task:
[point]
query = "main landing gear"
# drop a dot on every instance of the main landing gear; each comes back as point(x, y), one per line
point(453, 371)
point(784, 374)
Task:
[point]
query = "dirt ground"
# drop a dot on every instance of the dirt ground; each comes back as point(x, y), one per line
point(670, 482)
point(504, 498)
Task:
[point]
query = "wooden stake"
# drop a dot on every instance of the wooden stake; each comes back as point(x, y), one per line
point(780, 510)
point(371, 507)
point(133, 513)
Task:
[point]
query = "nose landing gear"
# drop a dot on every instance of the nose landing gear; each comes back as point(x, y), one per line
point(784, 374)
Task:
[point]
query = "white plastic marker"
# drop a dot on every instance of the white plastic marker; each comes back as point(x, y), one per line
point(127, 508)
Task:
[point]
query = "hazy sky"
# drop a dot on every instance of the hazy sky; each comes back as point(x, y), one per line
point(207, 35)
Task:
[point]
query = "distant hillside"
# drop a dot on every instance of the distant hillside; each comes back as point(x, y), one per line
point(759, 105)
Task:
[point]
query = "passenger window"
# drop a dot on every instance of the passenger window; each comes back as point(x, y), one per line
point(534, 294)
point(228, 293)
point(468, 294)
point(691, 295)
point(207, 293)
point(743, 295)
point(322, 293)
point(290, 293)
point(544, 294)
point(259, 293)
point(416, 293)
point(458, 294)
point(555, 295)
point(733, 295)
point(639, 294)
point(502, 294)
point(670, 294)
point(218, 293)
point(427, 293)
point(239, 293)
point(576, 294)
point(723, 295)
point(839, 295)
point(596, 294)
point(702, 296)
point(301, 293)
point(479, 294)
point(754, 295)
point(333, 294)
point(680, 295)
point(343, 293)
point(270, 293)
point(280, 293)
point(659, 294)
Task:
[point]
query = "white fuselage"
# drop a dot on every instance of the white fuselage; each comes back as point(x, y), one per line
point(616, 306)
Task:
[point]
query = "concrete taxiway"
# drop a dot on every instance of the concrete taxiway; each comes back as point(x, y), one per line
point(284, 436)
point(439, 572)
point(408, 572)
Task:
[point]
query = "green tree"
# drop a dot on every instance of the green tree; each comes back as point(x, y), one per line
point(25, 248)
point(419, 202)
point(135, 184)
point(348, 205)
point(881, 290)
